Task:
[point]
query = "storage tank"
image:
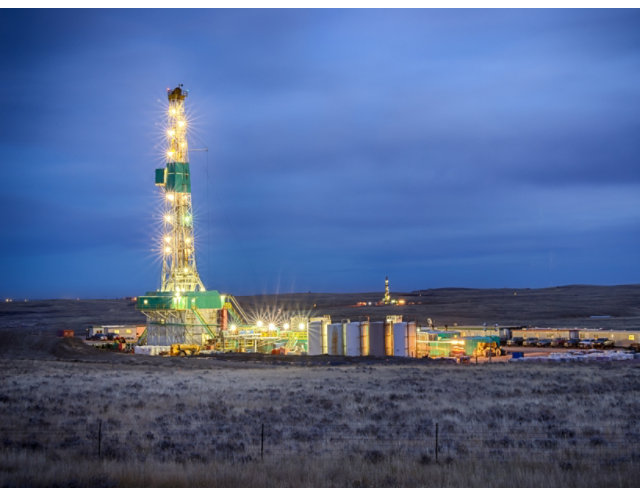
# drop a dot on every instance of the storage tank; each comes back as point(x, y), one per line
point(353, 339)
point(388, 338)
point(376, 339)
point(364, 338)
point(335, 339)
point(344, 336)
point(412, 329)
point(357, 338)
point(320, 326)
point(404, 339)
point(315, 338)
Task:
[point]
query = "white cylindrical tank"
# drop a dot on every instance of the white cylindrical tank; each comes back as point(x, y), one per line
point(357, 338)
point(400, 341)
point(404, 339)
point(353, 339)
point(315, 338)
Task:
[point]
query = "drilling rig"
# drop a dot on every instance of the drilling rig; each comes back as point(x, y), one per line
point(182, 311)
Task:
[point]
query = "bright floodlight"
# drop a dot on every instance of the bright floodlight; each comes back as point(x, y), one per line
point(301, 326)
point(272, 326)
point(259, 323)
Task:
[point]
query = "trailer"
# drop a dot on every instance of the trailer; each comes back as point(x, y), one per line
point(445, 346)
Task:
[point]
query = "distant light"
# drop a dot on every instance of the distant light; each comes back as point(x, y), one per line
point(171, 132)
point(272, 326)
point(301, 326)
point(173, 111)
point(181, 123)
point(146, 302)
point(170, 153)
point(233, 327)
point(170, 197)
point(167, 239)
point(259, 323)
point(167, 218)
point(286, 327)
point(167, 249)
point(187, 240)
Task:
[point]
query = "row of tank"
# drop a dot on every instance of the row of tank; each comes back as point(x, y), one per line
point(362, 338)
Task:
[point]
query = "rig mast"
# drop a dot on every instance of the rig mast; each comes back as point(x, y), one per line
point(183, 311)
point(387, 295)
point(179, 272)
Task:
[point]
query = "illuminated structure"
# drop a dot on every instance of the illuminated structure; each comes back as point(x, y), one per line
point(182, 311)
point(179, 271)
point(387, 296)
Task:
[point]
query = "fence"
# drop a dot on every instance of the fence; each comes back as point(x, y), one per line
point(256, 442)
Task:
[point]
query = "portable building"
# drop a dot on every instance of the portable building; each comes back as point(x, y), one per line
point(130, 332)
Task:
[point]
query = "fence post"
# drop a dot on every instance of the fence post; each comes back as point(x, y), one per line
point(436, 442)
point(99, 438)
point(262, 444)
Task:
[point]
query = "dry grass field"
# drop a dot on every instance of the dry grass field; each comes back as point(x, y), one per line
point(71, 415)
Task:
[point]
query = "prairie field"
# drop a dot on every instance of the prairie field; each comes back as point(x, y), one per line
point(159, 421)
point(74, 416)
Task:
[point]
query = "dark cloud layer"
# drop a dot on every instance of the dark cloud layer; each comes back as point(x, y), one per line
point(441, 147)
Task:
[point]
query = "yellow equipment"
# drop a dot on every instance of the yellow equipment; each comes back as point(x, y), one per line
point(488, 349)
point(184, 349)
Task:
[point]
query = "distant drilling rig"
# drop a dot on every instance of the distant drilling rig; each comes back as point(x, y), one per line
point(182, 311)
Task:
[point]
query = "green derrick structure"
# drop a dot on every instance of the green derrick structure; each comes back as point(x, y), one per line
point(194, 317)
point(174, 177)
point(182, 311)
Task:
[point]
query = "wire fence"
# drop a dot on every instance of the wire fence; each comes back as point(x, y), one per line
point(257, 441)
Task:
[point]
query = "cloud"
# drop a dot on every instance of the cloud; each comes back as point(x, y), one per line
point(456, 147)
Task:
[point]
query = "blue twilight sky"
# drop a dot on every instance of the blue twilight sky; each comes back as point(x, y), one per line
point(480, 148)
